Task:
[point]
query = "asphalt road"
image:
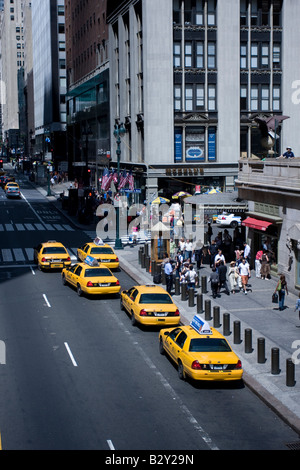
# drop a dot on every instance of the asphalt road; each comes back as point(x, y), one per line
point(77, 375)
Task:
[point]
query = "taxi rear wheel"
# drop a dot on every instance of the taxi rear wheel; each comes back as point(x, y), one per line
point(79, 290)
point(133, 320)
point(181, 373)
point(161, 347)
point(63, 279)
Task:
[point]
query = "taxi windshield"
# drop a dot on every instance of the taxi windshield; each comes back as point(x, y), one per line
point(96, 272)
point(50, 250)
point(103, 250)
point(155, 299)
point(209, 345)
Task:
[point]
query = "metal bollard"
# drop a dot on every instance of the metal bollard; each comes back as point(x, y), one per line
point(290, 373)
point(203, 285)
point(275, 361)
point(191, 297)
point(147, 263)
point(183, 291)
point(207, 309)
point(261, 356)
point(199, 303)
point(248, 340)
point(177, 286)
point(140, 254)
point(237, 332)
point(143, 260)
point(146, 249)
point(216, 316)
point(226, 324)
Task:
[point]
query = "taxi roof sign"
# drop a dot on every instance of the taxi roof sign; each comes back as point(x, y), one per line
point(91, 261)
point(201, 326)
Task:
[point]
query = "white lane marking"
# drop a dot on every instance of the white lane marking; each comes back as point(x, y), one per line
point(110, 444)
point(202, 433)
point(37, 215)
point(46, 300)
point(32, 270)
point(71, 355)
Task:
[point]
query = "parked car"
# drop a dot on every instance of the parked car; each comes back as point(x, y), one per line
point(229, 220)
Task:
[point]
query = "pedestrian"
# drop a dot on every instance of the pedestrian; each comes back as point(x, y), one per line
point(247, 252)
point(219, 257)
point(191, 277)
point(288, 153)
point(212, 251)
point(222, 271)
point(199, 257)
point(265, 266)
point(172, 248)
point(258, 263)
point(244, 270)
point(281, 289)
point(169, 275)
point(189, 248)
point(298, 308)
point(209, 232)
point(232, 276)
point(214, 282)
point(227, 242)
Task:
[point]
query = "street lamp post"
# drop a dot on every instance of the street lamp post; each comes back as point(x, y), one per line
point(118, 132)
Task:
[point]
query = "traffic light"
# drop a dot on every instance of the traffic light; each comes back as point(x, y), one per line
point(1, 163)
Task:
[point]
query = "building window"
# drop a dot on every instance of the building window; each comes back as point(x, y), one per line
point(265, 55)
point(211, 55)
point(265, 98)
point(177, 54)
point(244, 62)
point(211, 97)
point(254, 98)
point(200, 96)
point(243, 99)
point(200, 55)
point(188, 54)
point(254, 55)
point(276, 56)
point(177, 98)
point(276, 98)
point(189, 98)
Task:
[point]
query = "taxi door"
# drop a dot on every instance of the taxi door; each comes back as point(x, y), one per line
point(82, 252)
point(130, 299)
point(178, 346)
point(170, 342)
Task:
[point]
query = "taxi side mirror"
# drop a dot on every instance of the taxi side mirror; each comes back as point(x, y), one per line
point(166, 333)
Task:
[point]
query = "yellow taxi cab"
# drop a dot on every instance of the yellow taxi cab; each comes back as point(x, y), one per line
point(101, 251)
point(150, 305)
point(11, 183)
point(200, 352)
point(91, 277)
point(51, 255)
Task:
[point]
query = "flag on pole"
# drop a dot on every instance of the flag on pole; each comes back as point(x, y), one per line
point(131, 180)
point(105, 179)
point(123, 180)
point(115, 177)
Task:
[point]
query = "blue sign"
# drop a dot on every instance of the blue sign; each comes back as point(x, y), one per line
point(194, 154)
point(211, 144)
point(178, 146)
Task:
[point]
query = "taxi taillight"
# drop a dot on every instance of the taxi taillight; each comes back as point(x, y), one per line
point(177, 313)
point(143, 313)
point(196, 365)
point(89, 284)
point(68, 258)
point(44, 260)
point(117, 259)
point(238, 364)
point(118, 282)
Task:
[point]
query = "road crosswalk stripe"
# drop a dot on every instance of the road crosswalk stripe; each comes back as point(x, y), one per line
point(9, 227)
point(29, 227)
point(36, 226)
point(19, 255)
point(20, 227)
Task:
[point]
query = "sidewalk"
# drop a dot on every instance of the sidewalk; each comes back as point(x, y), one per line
point(254, 311)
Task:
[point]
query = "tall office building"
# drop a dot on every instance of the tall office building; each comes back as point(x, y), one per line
point(49, 74)
point(12, 61)
point(88, 88)
point(192, 77)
